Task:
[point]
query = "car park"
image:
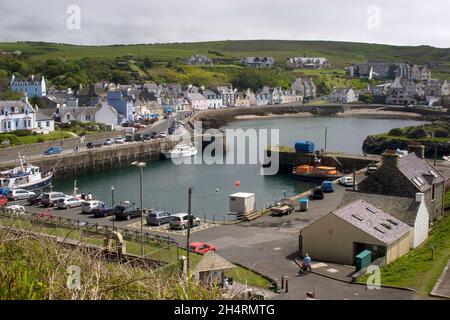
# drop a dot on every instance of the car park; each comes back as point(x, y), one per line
point(90, 205)
point(119, 140)
point(126, 212)
point(52, 151)
point(104, 210)
point(158, 218)
point(201, 247)
point(180, 221)
point(69, 203)
point(19, 194)
point(50, 198)
point(346, 181)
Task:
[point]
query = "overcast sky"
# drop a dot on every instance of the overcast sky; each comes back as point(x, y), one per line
point(399, 22)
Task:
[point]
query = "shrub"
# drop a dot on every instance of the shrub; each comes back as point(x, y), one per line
point(418, 133)
point(396, 132)
point(441, 133)
point(40, 139)
point(22, 133)
point(13, 139)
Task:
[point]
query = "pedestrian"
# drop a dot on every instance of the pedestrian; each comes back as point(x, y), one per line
point(307, 263)
point(89, 196)
point(83, 196)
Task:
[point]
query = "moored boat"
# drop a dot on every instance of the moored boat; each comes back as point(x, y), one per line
point(26, 176)
point(316, 173)
point(181, 151)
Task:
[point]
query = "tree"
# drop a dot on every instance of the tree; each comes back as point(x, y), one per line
point(120, 77)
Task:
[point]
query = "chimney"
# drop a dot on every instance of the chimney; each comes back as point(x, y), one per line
point(418, 149)
point(420, 197)
point(390, 159)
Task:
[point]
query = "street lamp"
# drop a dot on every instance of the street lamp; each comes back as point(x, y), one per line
point(141, 165)
point(112, 203)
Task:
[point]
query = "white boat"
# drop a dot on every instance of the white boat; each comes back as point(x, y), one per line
point(446, 158)
point(181, 151)
point(26, 176)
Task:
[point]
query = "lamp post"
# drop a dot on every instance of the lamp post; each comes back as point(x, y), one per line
point(141, 165)
point(112, 204)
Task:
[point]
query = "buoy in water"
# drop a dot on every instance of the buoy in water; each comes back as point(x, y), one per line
point(237, 183)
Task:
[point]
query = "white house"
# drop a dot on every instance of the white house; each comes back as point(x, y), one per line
point(106, 115)
point(17, 115)
point(343, 95)
point(44, 124)
point(198, 101)
point(214, 99)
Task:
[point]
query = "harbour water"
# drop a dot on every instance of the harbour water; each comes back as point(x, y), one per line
point(166, 184)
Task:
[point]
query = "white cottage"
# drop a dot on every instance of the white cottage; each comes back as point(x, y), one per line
point(17, 115)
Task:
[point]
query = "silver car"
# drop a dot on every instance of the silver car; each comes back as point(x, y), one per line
point(69, 202)
point(180, 221)
point(50, 198)
point(88, 206)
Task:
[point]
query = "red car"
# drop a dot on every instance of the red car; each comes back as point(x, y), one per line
point(3, 201)
point(201, 247)
point(139, 126)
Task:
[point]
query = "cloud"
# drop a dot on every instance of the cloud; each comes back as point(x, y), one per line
point(401, 22)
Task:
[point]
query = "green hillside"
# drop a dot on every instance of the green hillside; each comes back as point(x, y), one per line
point(69, 65)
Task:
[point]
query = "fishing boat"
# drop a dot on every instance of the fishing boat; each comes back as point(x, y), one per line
point(316, 173)
point(26, 176)
point(181, 151)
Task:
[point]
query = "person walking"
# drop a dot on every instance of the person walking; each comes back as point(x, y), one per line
point(307, 263)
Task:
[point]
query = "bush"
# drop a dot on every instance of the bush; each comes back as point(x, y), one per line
point(22, 133)
point(396, 132)
point(40, 139)
point(418, 133)
point(441, 133)
point(13, 139)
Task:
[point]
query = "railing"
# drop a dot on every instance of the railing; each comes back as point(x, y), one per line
point(48, 218)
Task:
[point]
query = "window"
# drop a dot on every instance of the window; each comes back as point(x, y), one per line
point(47, 123)
point(88, 117)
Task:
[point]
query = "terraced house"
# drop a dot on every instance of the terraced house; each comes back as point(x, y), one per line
point(33, 86)
point(308, 63)
point(17, 115)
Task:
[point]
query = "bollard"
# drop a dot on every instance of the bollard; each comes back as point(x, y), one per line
point(214, 218)
point(287, 285)
point(282, 282)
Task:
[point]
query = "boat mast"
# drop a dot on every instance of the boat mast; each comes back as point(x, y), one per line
point(21, 162)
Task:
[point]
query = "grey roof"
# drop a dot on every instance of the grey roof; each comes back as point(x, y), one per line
point(41, 117)
point(419, 172)
point(402, 208)
point(373, 221)
point(213, 262)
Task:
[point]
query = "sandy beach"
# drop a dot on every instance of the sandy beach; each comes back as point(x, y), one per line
point(271, 116)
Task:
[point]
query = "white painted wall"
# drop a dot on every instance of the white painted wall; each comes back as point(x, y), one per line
point(421, 226)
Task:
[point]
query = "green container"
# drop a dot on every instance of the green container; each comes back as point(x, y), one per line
point(363, 260)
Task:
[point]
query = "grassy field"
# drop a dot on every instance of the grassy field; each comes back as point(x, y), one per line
point(167, 254)
point(339, 53)
point(30, 139)
point(416, 269)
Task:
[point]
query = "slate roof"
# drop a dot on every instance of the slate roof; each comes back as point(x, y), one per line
point(213, 262)
point(402, 208)
point(373, 221)
point(419, 172)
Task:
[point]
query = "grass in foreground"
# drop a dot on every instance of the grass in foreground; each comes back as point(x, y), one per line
point(167, 254)
point(416, 269)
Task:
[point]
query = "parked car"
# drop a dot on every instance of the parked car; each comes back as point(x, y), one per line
point(371, 169)
point(52, 151)
point(317, 193)
point(35, 199)
point(120, 140)
point(146, 136)
point(104, 210)
point(19, 194)
point(129, 139)
point(109, 142)
point(162, 135)
point(3, 201)
point(90, 205)
point(154, 135)
point(138, 137)
point(50, 198)
point(126, 212)
point(201, 247)
point(69, 203)
point(94, 145)
point(158, 218)
point(346, 181)
point(180, 221)
point(327, 187)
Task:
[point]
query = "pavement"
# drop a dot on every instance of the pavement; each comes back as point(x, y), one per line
point(442, 287)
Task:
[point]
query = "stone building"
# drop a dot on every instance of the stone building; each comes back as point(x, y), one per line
point(405, 177)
